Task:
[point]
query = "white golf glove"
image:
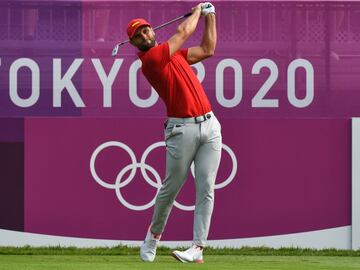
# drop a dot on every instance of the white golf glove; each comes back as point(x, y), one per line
point(207, 8)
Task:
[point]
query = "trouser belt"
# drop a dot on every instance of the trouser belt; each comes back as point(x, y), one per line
point(197, 119)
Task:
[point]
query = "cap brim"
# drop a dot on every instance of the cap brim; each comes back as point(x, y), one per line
point(136, 28)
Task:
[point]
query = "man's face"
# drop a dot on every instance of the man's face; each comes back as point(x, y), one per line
point(144, 38)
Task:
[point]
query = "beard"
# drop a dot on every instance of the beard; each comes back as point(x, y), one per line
point(147, 45)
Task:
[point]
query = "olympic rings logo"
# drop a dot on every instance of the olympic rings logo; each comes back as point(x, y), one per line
point(145, 168)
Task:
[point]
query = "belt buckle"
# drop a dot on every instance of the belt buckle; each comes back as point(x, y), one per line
point(202, 118)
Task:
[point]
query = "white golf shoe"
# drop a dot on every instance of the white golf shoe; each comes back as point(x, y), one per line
point(193, 254)
point(148, 248)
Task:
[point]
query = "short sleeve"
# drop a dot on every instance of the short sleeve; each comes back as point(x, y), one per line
point(184, 53)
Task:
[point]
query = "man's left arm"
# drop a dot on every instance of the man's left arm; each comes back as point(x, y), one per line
point(208, 43)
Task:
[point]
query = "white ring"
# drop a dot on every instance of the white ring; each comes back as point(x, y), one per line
point(102, 147)
point(121, 198)
point(143, 167)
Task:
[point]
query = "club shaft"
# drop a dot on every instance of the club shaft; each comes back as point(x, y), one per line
point(159, 26)
point(172, 21)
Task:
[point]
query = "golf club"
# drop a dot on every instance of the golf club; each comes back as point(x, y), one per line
point(116, 48)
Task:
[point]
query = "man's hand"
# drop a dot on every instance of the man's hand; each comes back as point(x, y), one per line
point(198, 7)
point(207, 8)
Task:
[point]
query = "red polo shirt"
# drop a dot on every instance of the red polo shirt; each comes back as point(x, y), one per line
point(174, 81)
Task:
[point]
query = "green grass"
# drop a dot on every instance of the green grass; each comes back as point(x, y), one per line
point(125, 258)
point(162, 262)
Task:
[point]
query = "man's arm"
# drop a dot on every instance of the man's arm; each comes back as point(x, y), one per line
point(184, 30)
point(208, 43)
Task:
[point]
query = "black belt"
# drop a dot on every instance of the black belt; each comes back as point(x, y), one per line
point(197, 119)
point(202, 118)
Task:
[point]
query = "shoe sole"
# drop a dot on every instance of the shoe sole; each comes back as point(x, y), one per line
point(183, 261)
point(177, 258)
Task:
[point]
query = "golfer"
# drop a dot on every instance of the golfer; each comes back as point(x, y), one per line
point(192, 132)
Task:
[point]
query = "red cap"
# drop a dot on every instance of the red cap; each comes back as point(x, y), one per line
point(134, 24)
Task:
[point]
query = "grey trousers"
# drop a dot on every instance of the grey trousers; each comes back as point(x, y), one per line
point(188, 141)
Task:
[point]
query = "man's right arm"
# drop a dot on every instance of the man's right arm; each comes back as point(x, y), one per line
point(184, 30)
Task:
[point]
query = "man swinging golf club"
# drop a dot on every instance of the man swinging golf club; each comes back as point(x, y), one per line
point(192, 132)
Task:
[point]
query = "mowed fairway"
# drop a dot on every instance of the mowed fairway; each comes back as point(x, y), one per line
point(162, 262)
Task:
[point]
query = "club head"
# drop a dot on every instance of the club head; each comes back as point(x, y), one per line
point(115, 50)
